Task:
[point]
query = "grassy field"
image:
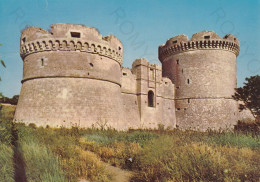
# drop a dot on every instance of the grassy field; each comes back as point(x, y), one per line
point(47, 154)
point(6, 112)
point(30, 153)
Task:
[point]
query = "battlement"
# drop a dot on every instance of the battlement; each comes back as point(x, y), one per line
point(202, 40)
point(70, 37)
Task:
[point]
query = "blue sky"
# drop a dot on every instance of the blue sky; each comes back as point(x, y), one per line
point(141, 25)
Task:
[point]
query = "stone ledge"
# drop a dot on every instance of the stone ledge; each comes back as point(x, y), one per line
point(87, 77)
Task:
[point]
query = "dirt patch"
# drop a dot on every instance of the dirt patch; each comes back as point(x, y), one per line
point(118, 175)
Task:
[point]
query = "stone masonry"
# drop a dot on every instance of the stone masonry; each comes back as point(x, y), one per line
point(74, 76)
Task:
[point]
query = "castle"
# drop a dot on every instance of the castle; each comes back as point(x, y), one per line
point(74, 76)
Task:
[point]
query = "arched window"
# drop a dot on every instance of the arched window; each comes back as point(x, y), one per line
point(150, 99)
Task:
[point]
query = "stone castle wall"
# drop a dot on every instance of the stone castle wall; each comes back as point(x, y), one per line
point(203, 70)
point(74, 76)
point(71, 76)
point(149, 80)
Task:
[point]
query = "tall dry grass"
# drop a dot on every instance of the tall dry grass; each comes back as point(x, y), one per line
point(61, 154)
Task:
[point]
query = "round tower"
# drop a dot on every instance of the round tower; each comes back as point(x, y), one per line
point(203, 70)
point(71, 76)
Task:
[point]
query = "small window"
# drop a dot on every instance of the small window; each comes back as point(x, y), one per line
point(182, 70)
point(151, 74)
point(188, 100)
point(235, 39)
point(178, 87)
point(178, 109)
point(91, 64)
point(166, 83)
point(188, 81)
point(24, 39)
point(42, 62)
point(177, 61)
point(119, 48)
point(75, 34)
point(125, 74)
point(174, 42)
point(150, 99)
point(207, 37)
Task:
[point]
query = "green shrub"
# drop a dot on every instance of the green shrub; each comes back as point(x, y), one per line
point(92, 168)
point(5, 132)
point(248, 127)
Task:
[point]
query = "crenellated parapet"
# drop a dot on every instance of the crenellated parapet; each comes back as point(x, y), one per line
point(206, 40)
point(69, 45)
point(77, 38)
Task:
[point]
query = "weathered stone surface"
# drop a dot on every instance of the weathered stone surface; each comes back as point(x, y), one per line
point(74, 76)
point(203, 70)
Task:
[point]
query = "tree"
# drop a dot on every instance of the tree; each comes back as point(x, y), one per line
point(7, 100)
point(249, 94)
point(2, 62)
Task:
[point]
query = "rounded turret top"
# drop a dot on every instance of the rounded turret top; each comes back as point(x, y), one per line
point(201, 40)
point(70, 37)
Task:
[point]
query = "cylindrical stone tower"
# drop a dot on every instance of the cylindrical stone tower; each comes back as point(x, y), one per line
point(71, 76)
point(203, 70)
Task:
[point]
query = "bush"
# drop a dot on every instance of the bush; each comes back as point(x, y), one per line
point(5, 132)
point(168, 158)
point(92, 168)
point(248, 127)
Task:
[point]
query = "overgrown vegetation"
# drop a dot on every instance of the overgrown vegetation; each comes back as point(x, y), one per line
point(170, 158)
point(64, 154)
